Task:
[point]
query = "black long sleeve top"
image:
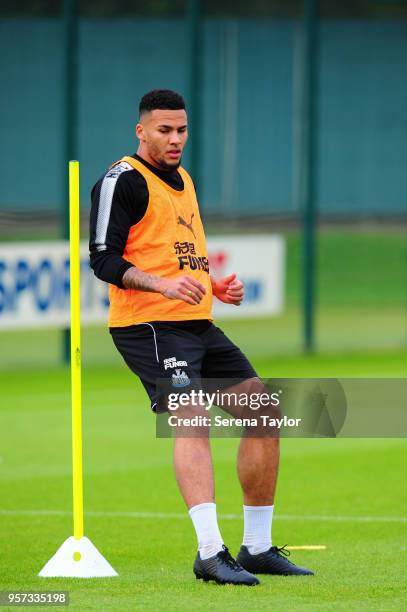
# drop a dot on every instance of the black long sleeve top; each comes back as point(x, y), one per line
point(119, 201)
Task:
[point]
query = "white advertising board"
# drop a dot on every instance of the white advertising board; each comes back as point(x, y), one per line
point(34, 281)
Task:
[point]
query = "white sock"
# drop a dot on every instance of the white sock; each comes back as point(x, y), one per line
point(207, 531)
point(257, 528)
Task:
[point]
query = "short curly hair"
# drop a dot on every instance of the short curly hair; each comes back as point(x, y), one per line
point(161, 99)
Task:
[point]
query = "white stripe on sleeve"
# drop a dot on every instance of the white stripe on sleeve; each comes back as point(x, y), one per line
point(105, 203)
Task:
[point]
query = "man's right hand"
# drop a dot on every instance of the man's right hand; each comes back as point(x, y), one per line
point(182, 288)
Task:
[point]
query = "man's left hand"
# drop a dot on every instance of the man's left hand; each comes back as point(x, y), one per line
point(229, 290)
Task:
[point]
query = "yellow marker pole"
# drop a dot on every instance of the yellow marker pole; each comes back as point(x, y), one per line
point(77, 557)
point(76, 399)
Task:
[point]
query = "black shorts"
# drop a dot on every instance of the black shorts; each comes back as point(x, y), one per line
point(180, 350)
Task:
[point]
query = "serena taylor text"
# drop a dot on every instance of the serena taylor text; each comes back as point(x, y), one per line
point(219, 421)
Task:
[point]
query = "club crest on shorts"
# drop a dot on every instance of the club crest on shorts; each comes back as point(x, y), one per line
point(180, 379)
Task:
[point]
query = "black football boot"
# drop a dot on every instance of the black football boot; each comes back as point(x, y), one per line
point(273, 561)
point(223, 569)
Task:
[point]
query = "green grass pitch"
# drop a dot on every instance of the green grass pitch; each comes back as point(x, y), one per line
point(346, 494)
point(349, 495)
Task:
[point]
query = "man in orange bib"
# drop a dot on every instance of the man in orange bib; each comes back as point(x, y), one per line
point(147, 241)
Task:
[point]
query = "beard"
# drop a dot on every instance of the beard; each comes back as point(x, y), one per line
point(159, 159)
point(164, 166)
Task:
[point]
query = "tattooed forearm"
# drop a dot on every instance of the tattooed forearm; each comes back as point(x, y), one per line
point(180, 288)
point(134, 278)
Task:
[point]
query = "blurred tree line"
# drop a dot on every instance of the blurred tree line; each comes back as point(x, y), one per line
point(218, 8)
